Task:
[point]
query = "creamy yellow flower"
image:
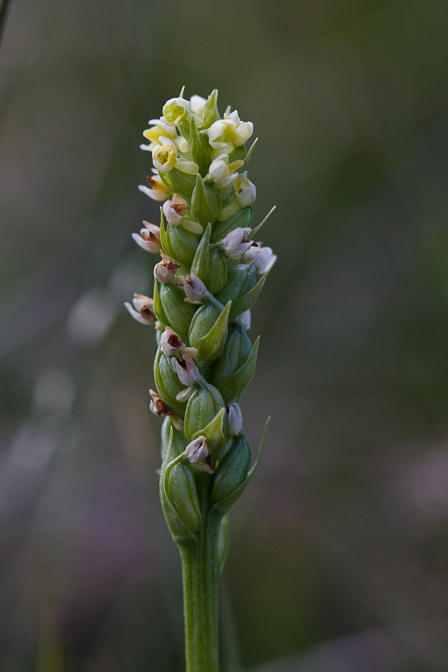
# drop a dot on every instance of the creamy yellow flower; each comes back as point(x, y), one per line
point(164, 156)
point(226, 134)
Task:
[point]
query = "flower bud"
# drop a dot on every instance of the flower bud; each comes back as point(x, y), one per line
point(165, 270)
point(186, 369)
point(235, 244)
point(236, 351)
point(242, 219)
point(202, 407)
point(234, 419)
point(262, 256)
point(245, 190)
point(208, 331)
point(223, 173)
point(180, 490)
point(175, 209)
point(171, 309)
point(172, 345)
point(226, 134)
point(194, 288)
point(197, 104)
point(165, 155)
point(232, 473)
point(157, 190)
point(198, 454)
point(176, 110)
point(168, 383)
point(244, 319)
point(143, 309)
point(241, 279)
point(149, 238)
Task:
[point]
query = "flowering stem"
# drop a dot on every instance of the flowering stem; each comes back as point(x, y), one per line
point(200, 571)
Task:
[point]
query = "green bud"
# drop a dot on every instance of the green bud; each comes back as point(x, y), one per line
point(204, 203)
point(234, 385)
point(168, 383)
point(216, 433)
point(236, 351)
point(171, 309)
point(248, 300)
point(176, 446)
point(243, 218)
point(180, 490)
point(178, 243)
point(232, 473)
point(210, 112)
point(208, 331)
point(218, 278)
point(202, 407)
point(179, 182)
point(240, 280)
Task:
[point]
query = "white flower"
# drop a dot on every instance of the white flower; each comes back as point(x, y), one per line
point(198, 454)
point(143, 309)
point(194, 288)
point(226, 134)
point(176, 110)
point(175, 209)
point(165, 270)
point(157, 190)
point(245, 190)
point(235, 243)
point(221, 172)
point(186, 369)
point(165, 155)
point(149, 238)
point(172, 346)
point(262, 256)
point(197, 103)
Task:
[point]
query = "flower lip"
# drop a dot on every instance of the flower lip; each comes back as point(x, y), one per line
point(158, 406)
point(142, 310)
point(175, 209)
point(194, 288)
point(263, 257)
point(198, 454)
point(172, 346)
point(236, 243)
point(157, 190)
point(186, 369)
point(148, 238)
point(165, 270)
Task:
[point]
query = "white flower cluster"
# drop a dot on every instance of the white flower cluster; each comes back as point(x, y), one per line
point(170, 149)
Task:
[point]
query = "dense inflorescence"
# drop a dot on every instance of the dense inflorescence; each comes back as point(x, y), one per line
point(210, 275)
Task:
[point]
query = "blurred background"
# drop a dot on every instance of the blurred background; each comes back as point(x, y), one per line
point(339, 548)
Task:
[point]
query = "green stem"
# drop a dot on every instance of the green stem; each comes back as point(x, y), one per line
point(200, 572)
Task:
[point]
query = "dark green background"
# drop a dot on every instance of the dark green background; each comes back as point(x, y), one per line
point(339, 547)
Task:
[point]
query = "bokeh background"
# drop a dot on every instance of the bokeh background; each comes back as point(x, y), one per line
point(339, 548)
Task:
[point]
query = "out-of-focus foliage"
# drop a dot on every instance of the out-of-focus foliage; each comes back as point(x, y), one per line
point(339, 548)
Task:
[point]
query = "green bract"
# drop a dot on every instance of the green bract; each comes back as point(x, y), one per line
point(210, 277)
